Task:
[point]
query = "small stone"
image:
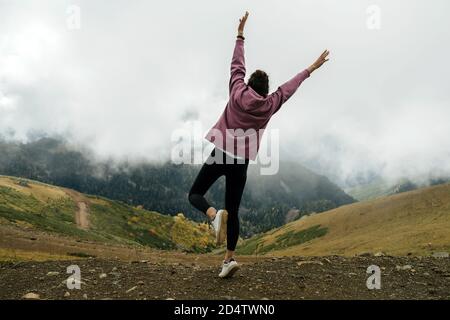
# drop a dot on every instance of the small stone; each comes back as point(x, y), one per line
point(440, 255)
point(103, 276)
point(170, 299)
point(379, 254)
point(300, 263)
point(114, 269)
point(141, 283)
point(365, 254)
point(31, 296)
point(53, 273)
point(67, 294)
point(131, 289)
point(85, 296)
point(405, 267)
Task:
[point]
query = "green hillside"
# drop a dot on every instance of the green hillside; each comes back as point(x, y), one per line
point(380, 188)
point(29, 204)
point(269, 201)
point(415, 222)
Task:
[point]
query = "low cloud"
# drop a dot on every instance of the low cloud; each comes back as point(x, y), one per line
point(135, 72)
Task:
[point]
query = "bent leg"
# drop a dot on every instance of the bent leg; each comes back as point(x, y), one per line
point(208, 174)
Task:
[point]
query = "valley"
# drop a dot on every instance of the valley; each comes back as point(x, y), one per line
point(321, 256)
point(164, 187)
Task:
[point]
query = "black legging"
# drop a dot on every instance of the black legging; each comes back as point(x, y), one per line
point(235, 172)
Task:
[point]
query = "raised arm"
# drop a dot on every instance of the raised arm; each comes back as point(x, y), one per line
point(286, 90)
point(238, 60)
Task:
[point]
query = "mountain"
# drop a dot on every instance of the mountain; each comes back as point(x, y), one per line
point(268, 201)
point(294, 191)
point(415, 222)
point(380, 188)
point(376, 186)
point(37, 206)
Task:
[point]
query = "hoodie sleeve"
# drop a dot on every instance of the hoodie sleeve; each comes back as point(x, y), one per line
point(286, 90)
point(237, 65)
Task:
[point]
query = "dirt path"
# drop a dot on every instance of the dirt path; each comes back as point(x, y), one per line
point(282, 278)
point(17, 240)
point(82, 214)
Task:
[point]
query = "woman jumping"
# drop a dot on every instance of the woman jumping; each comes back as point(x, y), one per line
point(249, 109)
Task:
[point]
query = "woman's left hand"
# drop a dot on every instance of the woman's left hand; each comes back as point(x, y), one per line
point(242, 22)
point(319, 62)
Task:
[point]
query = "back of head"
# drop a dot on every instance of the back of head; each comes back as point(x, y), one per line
point(259, 81)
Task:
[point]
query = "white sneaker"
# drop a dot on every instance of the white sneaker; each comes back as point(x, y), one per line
point(229, 268)
point(219, 225)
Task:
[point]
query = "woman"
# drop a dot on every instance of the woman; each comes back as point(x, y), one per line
point(249, 109)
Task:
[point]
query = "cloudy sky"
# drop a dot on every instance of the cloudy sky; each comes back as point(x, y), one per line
point(133, 72)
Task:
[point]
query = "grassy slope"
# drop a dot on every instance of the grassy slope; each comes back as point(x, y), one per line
point(49, 208)
point(370, 191)
point(416, 222)
point(376, 189)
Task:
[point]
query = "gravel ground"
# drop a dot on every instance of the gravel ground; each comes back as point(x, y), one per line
point(277, 278)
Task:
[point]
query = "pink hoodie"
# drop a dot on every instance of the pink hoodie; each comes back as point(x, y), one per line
point(240, 127)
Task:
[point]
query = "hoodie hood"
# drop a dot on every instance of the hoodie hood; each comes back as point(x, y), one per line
point(253, 103)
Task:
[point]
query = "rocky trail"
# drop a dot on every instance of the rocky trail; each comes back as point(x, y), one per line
point(195, 277)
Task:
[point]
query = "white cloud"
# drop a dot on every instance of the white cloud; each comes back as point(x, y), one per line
point(136, 71)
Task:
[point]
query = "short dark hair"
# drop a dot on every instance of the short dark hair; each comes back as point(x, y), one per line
point(259, 81)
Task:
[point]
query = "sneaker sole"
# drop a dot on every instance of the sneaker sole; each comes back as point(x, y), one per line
point(232, 272)
point(222, 234)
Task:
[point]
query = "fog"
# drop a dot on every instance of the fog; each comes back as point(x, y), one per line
point(132, 72)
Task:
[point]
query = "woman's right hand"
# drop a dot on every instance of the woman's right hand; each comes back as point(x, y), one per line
point(319, 62)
